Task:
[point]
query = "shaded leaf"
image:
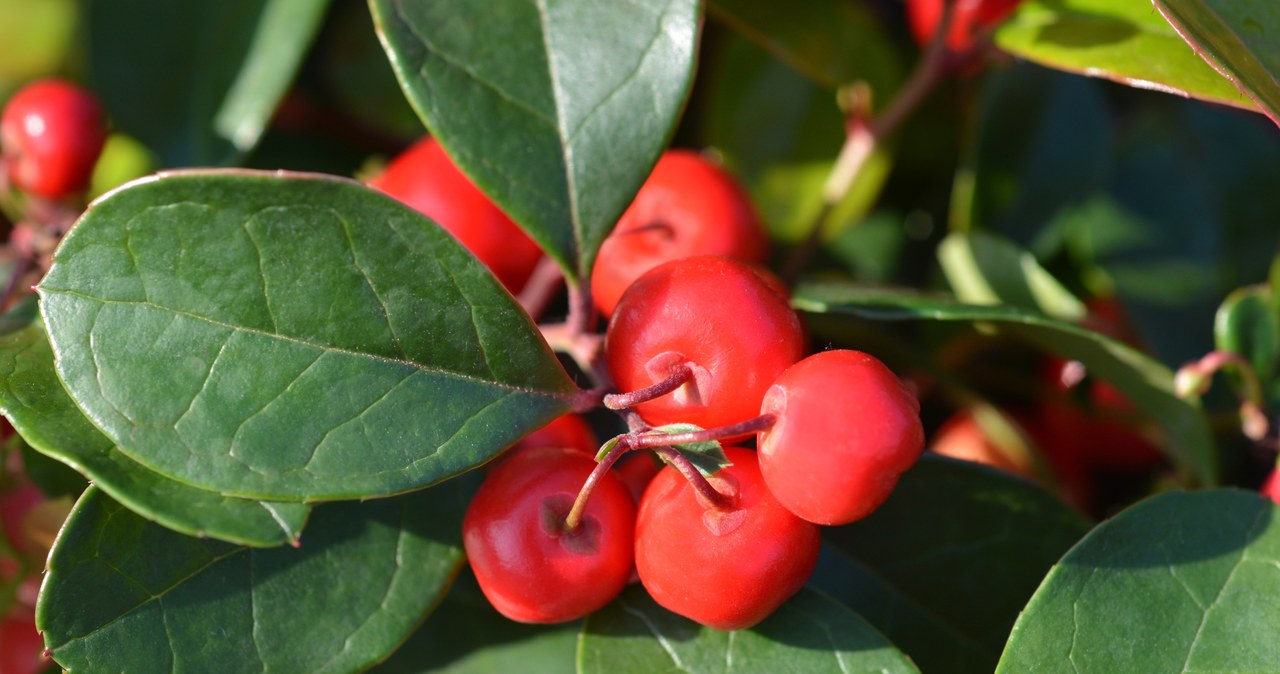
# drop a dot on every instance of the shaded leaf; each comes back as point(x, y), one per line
point(293, 337)
point(123, 594)
point(1121, 40)
point(983, 268)
point(1238, 39)
point(562, 124)
point(808, 633)
point(200, 91)
point(280, 41)
point(465, 635)
point(1146, 382)
point(1168, 585)
point(35, 402)
point(830, 41)
point(943, 567)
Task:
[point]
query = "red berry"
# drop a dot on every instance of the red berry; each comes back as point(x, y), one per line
point(424, 178)
point(569, 430)
point(52, 132)
point(846, 429)
point(716, 315)
point(528, 566)
point(963, 437)
point(15, 508)
point(688, 206)
point(1271, 487)
point(21, 646)
point(727, 569)
point(1094, 423)
point(968, 17)
point(636, 470)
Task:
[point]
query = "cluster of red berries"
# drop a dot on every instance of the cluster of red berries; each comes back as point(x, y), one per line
point(701, 337)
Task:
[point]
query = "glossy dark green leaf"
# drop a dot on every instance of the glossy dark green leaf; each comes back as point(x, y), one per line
point(281, 39)
point(1237, 38)
point(944, 566)
point(175, 75)
point(809, 633)
point(983, 268)
point(830, 41)
point(779, 133)
point(1178, 583)
point(35, 402)
point(465, 635)
point(1146, 382)
point(123, 594)
point(1248, 324)
point(21, 315)
point(291, 338)
point(557, 109)
point(1121, 40)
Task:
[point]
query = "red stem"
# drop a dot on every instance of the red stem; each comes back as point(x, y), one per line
point(697, 480)
point(574, 518)
point(541, 288)
point(753, 425)
point(680, 374)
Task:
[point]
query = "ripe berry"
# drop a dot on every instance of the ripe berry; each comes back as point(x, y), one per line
point(688, 206)
point(21, 646)
point(1094, 423)
point(424, 178)
point(845, 429)
point(52, 132)
point(968, 17)
point(527, 565)
point(1271, 487)
point(724, 568)
point(569, 430)
point(719, 317)
point(962, 436)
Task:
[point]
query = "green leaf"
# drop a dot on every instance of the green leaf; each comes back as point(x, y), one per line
point(291, 338)
point(708, 457)
point(983, 268)
point(35, 402)
point(465, 635)
point(809, 633)
point(1146, 382)
point(280, 40)
point(1172, 584)
point(198, 90)
point(944, 566)
point(830, 41)
point(1121, 40)
point(557, 110)
point(1248, 324)
point(21, 315)
point(123, 594)
point(1237, 38)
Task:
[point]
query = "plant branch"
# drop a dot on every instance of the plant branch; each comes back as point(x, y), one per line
point(680, 374)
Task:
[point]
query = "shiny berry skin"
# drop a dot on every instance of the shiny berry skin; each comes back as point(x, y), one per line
point(726, 569)
point(426, 179)
point(719, 316)
point(529, 568)
point(568, 430)
point(968, 18)
point(51, 133)
point(688, 206)
point(846, 428)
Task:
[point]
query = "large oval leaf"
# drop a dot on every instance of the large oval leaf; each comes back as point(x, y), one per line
point(1121, 40)
point(1144, 381)
point(1237, 38)
point(298, 338)
point(557, 109)
point(944, 566)
point(809, 633)
point(38, 407)
point(123, 594)
point(466, 635)
point(187, 90)
point(1178, 583)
